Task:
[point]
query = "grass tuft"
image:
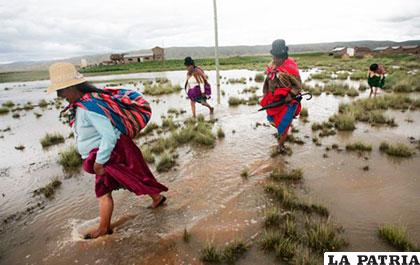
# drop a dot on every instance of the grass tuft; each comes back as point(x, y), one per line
point(234, 251)
point(165, 163)
point(398, 150)
point(70, 159)
point(294, 175)
point(210, 254)
point(359, 146)
point(51, 139)
point(49, 190)
point(323, 236)
point(397, 237)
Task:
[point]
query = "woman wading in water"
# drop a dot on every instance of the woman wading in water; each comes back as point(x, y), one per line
point(102, 141)
point(281, 83)
point(196, 81)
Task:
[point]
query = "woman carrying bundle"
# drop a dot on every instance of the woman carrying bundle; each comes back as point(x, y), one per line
point(103, 137)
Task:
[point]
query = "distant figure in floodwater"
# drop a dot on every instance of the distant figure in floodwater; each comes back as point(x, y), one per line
point(376, 78)
point(102, 139)
point(282, 82)
point(196, 81)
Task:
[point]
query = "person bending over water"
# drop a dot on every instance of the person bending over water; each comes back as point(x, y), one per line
point(196, 81)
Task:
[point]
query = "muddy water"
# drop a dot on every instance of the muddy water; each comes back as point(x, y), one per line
point(207, 195)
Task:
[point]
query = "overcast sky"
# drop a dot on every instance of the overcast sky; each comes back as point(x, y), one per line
point(51, 29)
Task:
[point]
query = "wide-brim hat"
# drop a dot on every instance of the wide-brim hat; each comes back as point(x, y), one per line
point(64, 75)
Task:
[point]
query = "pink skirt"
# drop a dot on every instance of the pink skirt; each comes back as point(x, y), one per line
point(125, 169)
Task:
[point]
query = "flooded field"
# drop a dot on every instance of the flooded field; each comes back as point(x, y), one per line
point(207, 195)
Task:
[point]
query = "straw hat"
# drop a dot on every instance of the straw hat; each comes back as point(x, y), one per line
point(63, 75)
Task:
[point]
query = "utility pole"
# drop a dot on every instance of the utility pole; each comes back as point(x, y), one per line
point(216, 52)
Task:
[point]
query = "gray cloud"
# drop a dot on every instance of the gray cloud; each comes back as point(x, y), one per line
point(48, 29)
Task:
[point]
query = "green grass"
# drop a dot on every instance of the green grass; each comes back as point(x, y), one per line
point(358, 75)
point(320, 126)
point(234, 251)
point(272, 217)
point(290, 229)
point(174, 111)
point(148, 156)
point(186, 236)
point(235, 101)
point(70, 159)
point(397, 237)
point(352, 92)
point(149, 129)
point(8, 104)
point(4, 110)
point(286, 249)
point(343, 122)
point(20, 147)
point(304, 60)
point(343, 75)
point(304, 113)
point(165, 163)
point(168, 123)
point(371, 110)
point(245, 173)
point(259, 77)
point(293, 175)
point(220, 133)
point(323, 236)
point(323, 75)
point(43, 103)
point(241, 80)
point(161, 89)
point(270, 239)
point(210, 254)
point(49, 190)
point(359, 146)
point(397, 150)
point(51, 139)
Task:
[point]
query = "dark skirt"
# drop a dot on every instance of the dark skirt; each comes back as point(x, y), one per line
point(125, 169)
point(195, 95)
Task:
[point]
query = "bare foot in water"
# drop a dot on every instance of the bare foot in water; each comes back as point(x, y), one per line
point(98, 233)
point(158, 202)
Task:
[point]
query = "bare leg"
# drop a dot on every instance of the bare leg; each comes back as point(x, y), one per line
point(158, 200)
point(282, 139)
point(208, 106)
point(106, 206)
point(193, 108)
point(371, 92)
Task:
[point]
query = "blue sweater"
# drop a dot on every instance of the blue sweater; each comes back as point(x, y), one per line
point(93, 130)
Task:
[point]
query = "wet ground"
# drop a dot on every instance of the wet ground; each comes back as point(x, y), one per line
point(207, 195)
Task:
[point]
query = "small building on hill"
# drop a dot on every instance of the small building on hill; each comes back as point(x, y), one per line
point(341, 52)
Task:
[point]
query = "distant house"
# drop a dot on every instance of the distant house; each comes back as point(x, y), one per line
point(362, 52)
point(383, 50)
point(342, 52)
point(155, 54)
point(83, 63)
point(138, 57)
point(158, 54)
point(396, 49)
point(411, 49)
point(116, 58)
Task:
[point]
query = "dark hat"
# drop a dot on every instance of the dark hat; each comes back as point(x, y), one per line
point(279, 48)
point(373, 67)
point(188, 61)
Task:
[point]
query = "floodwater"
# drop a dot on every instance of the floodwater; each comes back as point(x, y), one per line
point(207, 196)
